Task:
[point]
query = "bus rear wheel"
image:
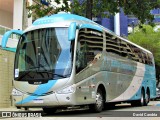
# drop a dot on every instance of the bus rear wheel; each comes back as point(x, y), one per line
point(147, 98)
point(49, 110)
point(99, 105)
point(141, 101)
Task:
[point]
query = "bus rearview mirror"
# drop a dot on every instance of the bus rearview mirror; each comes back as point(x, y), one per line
point(72, 31)
point(7, 35)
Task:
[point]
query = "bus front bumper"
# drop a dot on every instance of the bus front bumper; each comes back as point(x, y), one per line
point(52, 100)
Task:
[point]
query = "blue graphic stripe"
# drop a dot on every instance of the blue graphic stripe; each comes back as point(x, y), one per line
point(149, 76)
point(158, 105)
point(41, 89)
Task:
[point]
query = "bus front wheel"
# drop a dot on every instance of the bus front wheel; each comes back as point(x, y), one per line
point(99, 105)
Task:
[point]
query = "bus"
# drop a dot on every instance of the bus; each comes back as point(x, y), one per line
point(65, 60)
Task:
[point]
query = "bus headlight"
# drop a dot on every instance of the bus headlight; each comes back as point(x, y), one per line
point(15, 92)
point(70, 89)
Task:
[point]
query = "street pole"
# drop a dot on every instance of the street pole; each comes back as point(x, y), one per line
point(117, 23)
point(133, 26)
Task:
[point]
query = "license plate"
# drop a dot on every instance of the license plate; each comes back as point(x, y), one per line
point(38, 100)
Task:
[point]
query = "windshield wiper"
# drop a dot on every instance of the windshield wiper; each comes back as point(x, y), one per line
point(59, 75)
point(54, 74)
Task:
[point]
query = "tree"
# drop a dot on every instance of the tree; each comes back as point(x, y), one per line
point(138, 8)
point(93, 8)
point(38, 9)
point(149, 39)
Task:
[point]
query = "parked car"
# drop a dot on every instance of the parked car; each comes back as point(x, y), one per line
point(158, 93)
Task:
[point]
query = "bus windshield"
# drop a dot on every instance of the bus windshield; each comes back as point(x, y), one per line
point(44, 54)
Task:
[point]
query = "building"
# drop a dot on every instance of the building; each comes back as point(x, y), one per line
point(12, 16)
point(127, 22)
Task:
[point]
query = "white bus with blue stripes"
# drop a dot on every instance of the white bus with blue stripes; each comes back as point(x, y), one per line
point(65, 60)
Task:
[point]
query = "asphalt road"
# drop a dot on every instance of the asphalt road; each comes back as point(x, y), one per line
point(119, 112)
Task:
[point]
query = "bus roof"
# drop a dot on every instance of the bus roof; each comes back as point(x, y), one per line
point(67, 17)
point(60, 18)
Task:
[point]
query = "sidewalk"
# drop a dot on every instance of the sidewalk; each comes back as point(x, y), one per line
point(12, 108)
point(9, 109)
point(155, 103)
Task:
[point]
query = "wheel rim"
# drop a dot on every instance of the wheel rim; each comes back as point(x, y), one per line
point(99, 100)
point(142, 99)
point(147, 98)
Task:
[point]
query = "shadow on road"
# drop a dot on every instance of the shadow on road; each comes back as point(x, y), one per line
point(87, 113)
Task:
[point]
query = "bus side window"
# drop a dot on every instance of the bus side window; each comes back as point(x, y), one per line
point(123, 49)
point(90, 43)
point(112, 44)
point(80, 54)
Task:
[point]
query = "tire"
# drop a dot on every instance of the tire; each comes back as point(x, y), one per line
point(99, 105)
point(140, 102)
point(147, 98)
point(49, 110)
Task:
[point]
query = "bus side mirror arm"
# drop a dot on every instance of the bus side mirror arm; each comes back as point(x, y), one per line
point(72, 31)
point(7, 35)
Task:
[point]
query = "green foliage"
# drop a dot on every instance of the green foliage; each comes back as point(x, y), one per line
point(149, 39)
point(105, 8)
point(78, 8)
point(38, 10)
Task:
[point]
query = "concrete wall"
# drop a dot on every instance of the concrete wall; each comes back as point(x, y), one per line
point(6, 77)
point(6, 19)
point(12, 43)
point(18, 14)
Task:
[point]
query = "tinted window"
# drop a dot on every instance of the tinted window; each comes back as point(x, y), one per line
point(89, 48)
